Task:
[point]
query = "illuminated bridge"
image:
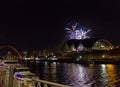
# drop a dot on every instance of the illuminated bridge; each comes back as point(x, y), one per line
point(14, 49)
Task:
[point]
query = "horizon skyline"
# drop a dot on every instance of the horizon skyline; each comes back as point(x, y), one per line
point(42, 23)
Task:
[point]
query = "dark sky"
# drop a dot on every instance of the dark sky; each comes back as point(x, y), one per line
point(41, 23)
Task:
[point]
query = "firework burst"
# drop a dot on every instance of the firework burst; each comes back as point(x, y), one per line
point(75, 31)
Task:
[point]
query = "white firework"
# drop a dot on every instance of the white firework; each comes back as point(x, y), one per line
point(71, 31)
point(77, 32)
point(82, 34)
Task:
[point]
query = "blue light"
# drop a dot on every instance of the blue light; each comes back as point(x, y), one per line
point(1, 65)
point(19, 75)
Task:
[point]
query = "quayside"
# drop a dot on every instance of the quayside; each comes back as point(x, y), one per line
point(9, 78)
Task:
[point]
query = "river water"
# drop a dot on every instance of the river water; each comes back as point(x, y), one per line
point(78, 75)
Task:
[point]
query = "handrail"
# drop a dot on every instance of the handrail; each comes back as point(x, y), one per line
point(44, 82)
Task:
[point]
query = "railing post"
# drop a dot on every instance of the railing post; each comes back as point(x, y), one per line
point(38, 84)
point(45, 85)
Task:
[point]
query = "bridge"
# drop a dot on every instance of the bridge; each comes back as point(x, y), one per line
point(7, 80)
point(13, 48)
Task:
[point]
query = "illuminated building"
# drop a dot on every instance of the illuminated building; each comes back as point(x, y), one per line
point(86, 45)
point(102, 45)
point(79, 39)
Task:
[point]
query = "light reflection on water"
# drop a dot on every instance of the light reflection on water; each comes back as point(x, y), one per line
point(77, 75)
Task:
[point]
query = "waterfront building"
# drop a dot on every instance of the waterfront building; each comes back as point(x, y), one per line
point(87, 45)
point(102, 45)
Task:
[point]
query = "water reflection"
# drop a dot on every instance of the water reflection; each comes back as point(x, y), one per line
point(112, 75)
point(77, 75)
point(48, 71)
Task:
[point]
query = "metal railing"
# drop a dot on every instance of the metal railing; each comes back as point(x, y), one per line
point(9, 81)
point(44, 83)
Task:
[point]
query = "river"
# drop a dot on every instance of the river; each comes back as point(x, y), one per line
point(77, 75)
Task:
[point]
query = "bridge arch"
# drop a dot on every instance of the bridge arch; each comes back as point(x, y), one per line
point(11, 47)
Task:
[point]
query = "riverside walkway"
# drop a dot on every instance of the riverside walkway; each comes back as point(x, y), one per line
point(7, 74)
point(7, 79)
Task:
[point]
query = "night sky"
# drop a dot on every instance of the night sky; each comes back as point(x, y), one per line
point(40, 24)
